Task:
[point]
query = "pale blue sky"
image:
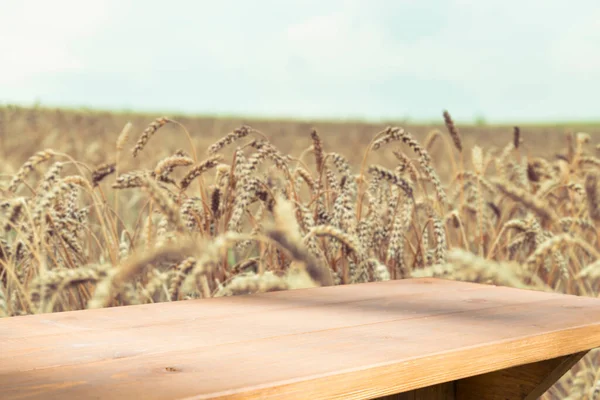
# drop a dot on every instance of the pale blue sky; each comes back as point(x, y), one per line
point(503, 59)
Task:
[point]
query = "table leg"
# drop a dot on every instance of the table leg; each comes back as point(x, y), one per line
point(443, 391)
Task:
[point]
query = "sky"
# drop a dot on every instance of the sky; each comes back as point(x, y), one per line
point(502, 60)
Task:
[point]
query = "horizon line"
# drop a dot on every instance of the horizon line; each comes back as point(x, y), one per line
point(475, 121)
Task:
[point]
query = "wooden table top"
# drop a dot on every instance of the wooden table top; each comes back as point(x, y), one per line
point(347, 342)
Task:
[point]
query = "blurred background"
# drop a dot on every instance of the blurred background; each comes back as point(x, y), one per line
point(486, 61)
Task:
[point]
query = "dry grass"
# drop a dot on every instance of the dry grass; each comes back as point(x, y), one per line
point(104, 210)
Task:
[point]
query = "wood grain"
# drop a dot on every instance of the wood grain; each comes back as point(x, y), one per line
point(346, 342)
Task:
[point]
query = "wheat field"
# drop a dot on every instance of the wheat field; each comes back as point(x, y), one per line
point(104, 209)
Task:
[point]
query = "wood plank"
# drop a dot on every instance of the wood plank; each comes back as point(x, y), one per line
point(170, 313)
point(332, 350)
point(200, 329)
point(527, 382)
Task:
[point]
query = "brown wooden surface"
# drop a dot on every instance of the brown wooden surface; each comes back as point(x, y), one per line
point(523, 382)
point(527, 382)
point(345, 342)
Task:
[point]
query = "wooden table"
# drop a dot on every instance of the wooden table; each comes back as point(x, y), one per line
point(423, 338)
